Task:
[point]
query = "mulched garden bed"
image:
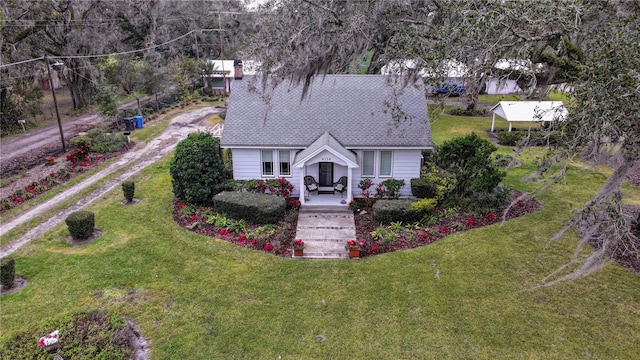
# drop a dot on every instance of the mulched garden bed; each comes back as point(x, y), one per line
point(280, 242)
point(57, 177)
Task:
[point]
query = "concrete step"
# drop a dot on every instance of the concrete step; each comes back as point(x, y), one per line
point(325, 229)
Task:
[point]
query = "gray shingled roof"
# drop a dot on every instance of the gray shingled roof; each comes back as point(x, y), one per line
point(355, 109)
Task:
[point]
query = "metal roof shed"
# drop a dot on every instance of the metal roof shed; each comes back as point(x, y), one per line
point(528, 111)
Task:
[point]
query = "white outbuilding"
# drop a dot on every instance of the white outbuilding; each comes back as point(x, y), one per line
point(528, 111)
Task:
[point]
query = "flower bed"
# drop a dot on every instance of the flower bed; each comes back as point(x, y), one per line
point(74, 167)
point(372, 239)
point(277, 239)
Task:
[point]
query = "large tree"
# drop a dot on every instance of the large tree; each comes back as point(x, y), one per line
point(592, 45)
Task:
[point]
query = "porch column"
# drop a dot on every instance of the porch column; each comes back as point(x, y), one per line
point(301, 184)
point(349, 190)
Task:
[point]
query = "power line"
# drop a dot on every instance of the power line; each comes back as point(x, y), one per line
point(111, 54)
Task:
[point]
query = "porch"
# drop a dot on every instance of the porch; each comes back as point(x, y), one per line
point(325, 199)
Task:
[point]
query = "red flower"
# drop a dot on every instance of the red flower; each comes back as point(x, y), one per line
point(519, 202)
point(268, 247)
point(374, 248)
point(281, 181)
point(83, 164)
point(443, 230)
point(223, 232)
point(253, 241)
point(52, 174)
point(471, 221)
point(30, 188)
point(491, 216)
point(181, 205)
point(298, 203)
point(260, 184)
point(87, 159)
point(242, 238)
point(73, 166)
point(193, 218)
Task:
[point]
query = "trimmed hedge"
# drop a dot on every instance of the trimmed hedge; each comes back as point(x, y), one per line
point(388, 211)
point(81, 224)
point(252, 207)
point(128, 188)
point(7, 272)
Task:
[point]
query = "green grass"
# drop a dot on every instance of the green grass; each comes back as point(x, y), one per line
point(200, 298)
point(197, 297)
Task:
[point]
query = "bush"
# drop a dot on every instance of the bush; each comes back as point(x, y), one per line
point(7, 272)
point(197, 169)
point(81, 142)
point(108, 143)
point(393, 187)
point(469, 160)
point(81, 224)
point(128, 188)
point(423, 206)
point(433, 183)
point(388, 211)
point(252, 207)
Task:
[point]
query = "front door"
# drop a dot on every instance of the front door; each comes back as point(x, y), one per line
point(325, 173)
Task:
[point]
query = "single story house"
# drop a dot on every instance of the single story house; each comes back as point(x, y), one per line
point(528, 111)
point(223, 72)
point(347, 128)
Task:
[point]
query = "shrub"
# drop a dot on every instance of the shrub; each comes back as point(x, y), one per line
point(7, 272)
point(128, 188)
point(108, 143)
point(81, 224)
point(81, 142)
point(393, 187)
point(423, 206)
point(388, 211)
point(252, 207)
point(502, 160)
point(469, 159)
point(197, 169)
point(433, 183)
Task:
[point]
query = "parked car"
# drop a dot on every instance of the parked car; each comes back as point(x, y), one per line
point(449, 90)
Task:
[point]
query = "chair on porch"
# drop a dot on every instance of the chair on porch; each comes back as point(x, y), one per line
point(310, 183)
point(340, 185)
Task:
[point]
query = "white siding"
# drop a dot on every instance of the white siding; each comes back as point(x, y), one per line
point(406, 165)
point(247, 166)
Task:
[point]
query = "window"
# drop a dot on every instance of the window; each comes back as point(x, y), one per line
point(285, 162)
point(267, 163)
point(385, 163)
point(367, 163)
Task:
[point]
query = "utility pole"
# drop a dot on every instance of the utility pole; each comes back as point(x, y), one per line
point(55, 102)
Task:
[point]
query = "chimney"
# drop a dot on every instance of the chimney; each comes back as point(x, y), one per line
point(237, 69)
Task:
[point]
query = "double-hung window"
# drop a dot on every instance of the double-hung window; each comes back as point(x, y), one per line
point(377, 163)
point(368, 163)
point(284, 157)
point(267, 162)
point(385, 163)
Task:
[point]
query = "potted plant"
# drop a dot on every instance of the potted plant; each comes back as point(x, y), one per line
point(354, 249)
point(50, 342)
point(298, 248)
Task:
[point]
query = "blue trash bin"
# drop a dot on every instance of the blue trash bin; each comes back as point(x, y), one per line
point(138, 119)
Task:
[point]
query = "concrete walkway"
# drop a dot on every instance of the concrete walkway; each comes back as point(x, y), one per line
point(325, 230)
point(130, 164)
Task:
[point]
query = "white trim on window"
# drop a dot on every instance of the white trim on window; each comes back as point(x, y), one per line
point(368, 163)
point(284, 161)
point(386, 163)
point(266, 161)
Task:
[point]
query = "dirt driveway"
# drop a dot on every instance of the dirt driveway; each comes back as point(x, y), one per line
point(131, 163)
